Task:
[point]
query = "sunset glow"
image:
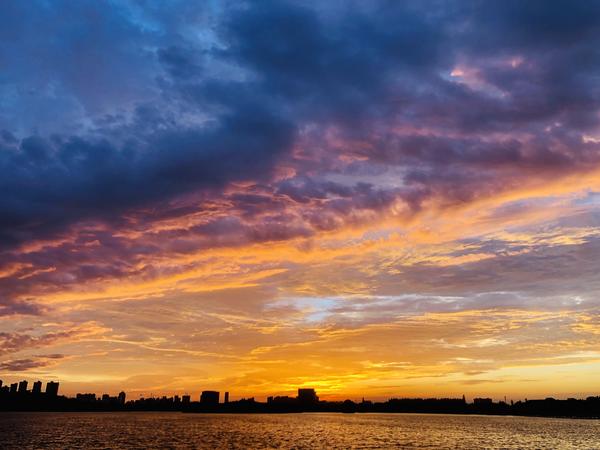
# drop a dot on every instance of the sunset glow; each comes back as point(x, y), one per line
point(372, 199)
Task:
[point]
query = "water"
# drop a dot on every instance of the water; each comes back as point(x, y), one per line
point(298, 431)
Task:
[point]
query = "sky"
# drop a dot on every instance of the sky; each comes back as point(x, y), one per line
point(378, 199)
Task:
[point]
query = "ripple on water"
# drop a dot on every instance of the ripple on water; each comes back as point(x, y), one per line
point(297, 431)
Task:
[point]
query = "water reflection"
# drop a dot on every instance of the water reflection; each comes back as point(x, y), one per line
point(299, 431)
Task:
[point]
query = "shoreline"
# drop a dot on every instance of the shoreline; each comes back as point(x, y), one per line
point(274, 413)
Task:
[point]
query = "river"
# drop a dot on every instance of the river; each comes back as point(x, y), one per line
point(144, 430)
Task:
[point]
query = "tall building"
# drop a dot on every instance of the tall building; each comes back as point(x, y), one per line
point(307, 396)
point(52, 388)
point(37, 387)
point(185, 399)
point(0, 383)
point(226, 397)
point(122, 397)
point(209, 398)
point(13, 388)
point(23, 386)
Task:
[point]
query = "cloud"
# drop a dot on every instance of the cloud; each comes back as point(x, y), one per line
point(304, 174)
point(14, 342)
point(24, 365)
point(10, 307)
point(328, 68)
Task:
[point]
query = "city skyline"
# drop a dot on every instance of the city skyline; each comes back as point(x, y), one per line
point(18, 398)
point(367, 198)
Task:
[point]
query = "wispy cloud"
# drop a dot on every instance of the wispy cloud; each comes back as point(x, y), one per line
point(355, 197)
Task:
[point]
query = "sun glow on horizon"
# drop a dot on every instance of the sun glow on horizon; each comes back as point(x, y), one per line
point(373, 202)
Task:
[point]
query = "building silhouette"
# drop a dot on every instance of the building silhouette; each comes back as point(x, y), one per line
point(16, 397)
point(52, 388)
point(282, 400)
point(209, 398)
point(22, 386)
point(483, 402)
point(37, 388)
point(307, 396)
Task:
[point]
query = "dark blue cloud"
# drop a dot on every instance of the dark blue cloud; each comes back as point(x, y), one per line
point(69, 62)
point(50, 183)
point(109, 110)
